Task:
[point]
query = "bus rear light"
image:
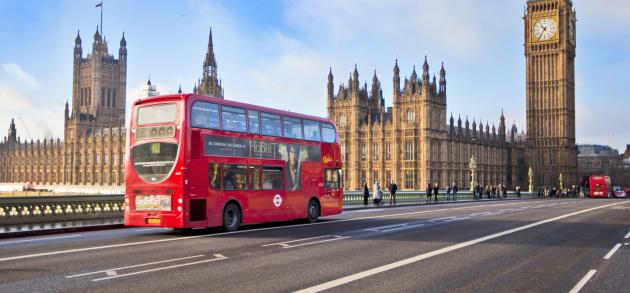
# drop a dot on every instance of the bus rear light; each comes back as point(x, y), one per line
point(180, 201)
point(179, 209)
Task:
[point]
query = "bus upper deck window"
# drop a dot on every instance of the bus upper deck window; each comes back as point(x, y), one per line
point(311, 130)
point(271, 124)
point(204, 115)
point(328, 133)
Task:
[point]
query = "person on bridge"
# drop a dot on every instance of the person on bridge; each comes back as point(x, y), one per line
point(436, 188)
point(455, 190)
point(448, 192)
point(428, 192)
point(392, 192)
point(366, 193)
point(377, 194)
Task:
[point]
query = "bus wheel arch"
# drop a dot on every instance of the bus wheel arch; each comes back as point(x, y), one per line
point(232, 215)
point(313, 210)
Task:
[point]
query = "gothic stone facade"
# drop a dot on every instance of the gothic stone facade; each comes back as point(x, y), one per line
point(210, 84)
point(411, 143)
point(93, 150)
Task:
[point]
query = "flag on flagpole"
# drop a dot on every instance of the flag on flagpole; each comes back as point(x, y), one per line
point(99, 5)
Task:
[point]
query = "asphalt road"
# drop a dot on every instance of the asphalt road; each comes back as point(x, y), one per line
point(504, 246)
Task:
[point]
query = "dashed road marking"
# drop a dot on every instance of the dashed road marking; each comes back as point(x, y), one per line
point(627, 236)
point(133, 266)
point(301, 242)
point(583, 281)
point(612, 251)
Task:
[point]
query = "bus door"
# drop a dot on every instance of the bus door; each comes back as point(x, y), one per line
point(271, 201)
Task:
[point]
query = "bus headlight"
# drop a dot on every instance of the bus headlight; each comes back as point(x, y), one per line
point(180, 201)
point(179, 209)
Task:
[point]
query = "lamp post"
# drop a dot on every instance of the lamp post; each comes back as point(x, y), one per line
point(472, 166)
point(530, 174)
point(561, 185)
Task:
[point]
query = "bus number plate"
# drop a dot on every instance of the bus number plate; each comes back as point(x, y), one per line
point(153, 221)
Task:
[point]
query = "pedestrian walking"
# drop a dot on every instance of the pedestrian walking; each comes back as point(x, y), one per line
point(428, 192)
point(377, 194)
point(455, 190)
point(448, 192)
point(436, 187)
point(392, 192)
point(518, 191)
point(366, 193)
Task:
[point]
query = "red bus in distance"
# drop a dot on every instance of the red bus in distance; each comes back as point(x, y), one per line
point(600, 186)
point(195, 161)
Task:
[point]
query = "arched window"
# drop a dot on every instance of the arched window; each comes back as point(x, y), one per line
point(342, 120)
point(411, 116)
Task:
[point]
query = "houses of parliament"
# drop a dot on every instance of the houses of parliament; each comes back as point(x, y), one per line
point(93, 150)
point(412, 142)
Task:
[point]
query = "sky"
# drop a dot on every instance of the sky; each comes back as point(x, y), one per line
point(278, 54)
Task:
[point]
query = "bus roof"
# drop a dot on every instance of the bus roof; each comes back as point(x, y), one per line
point(186, 97)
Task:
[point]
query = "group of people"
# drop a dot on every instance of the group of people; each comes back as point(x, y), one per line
point(572, 191)
point(377, 193)
point(451, 192)
point(493, 191)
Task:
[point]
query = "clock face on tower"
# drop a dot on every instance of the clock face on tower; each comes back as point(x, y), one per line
point(544, 29)
point(572, 31)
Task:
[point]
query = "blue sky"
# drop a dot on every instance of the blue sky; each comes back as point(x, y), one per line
point(277, 53)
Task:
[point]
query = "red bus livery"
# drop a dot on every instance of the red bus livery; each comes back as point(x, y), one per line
point(600, 186)
point(195, 161)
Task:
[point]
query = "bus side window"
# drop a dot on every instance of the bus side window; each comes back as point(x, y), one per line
point(254, 178)
point(272, 178)
point(311, 130)
point(214, 176)
point(234, 177)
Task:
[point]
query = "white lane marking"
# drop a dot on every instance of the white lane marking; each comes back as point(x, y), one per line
point(417, 258)
point(320, 241)
point(111, 273)
point(160, 269)
point(627, 236)
point(583, 281)
point(612, 251)
point(134, 266)
point(402, 228)
point(238, 232)
point(377, 229)
point(39, 239)
point(304, 239)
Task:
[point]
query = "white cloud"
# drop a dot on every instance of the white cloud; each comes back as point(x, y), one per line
point(34, 119)
point(17, 73)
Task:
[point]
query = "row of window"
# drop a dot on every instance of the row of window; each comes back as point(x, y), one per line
point(245, 177)
point(207, 115)
point(249, 177)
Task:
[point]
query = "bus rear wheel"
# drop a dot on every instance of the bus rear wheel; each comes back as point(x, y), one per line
point(313, 211)
point(231, 217)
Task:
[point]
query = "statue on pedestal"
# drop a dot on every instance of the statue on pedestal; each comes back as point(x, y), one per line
point(473, 174)
point(530, 174)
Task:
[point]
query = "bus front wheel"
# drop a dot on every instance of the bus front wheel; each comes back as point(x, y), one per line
point(231, 217)
point(313, 211)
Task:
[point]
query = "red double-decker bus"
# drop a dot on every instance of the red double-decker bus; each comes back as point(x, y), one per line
point(600, 186)
point(196, 161)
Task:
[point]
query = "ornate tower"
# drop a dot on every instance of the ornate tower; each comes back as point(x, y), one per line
point(210, 84)
point(99, 87)
point(550, 83)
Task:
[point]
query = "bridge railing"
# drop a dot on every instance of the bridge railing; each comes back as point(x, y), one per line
point(44, 209)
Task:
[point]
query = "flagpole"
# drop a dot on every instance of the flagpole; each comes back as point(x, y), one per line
point(101, 18)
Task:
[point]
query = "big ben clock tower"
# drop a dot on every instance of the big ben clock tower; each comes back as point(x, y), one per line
point(550, 78)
